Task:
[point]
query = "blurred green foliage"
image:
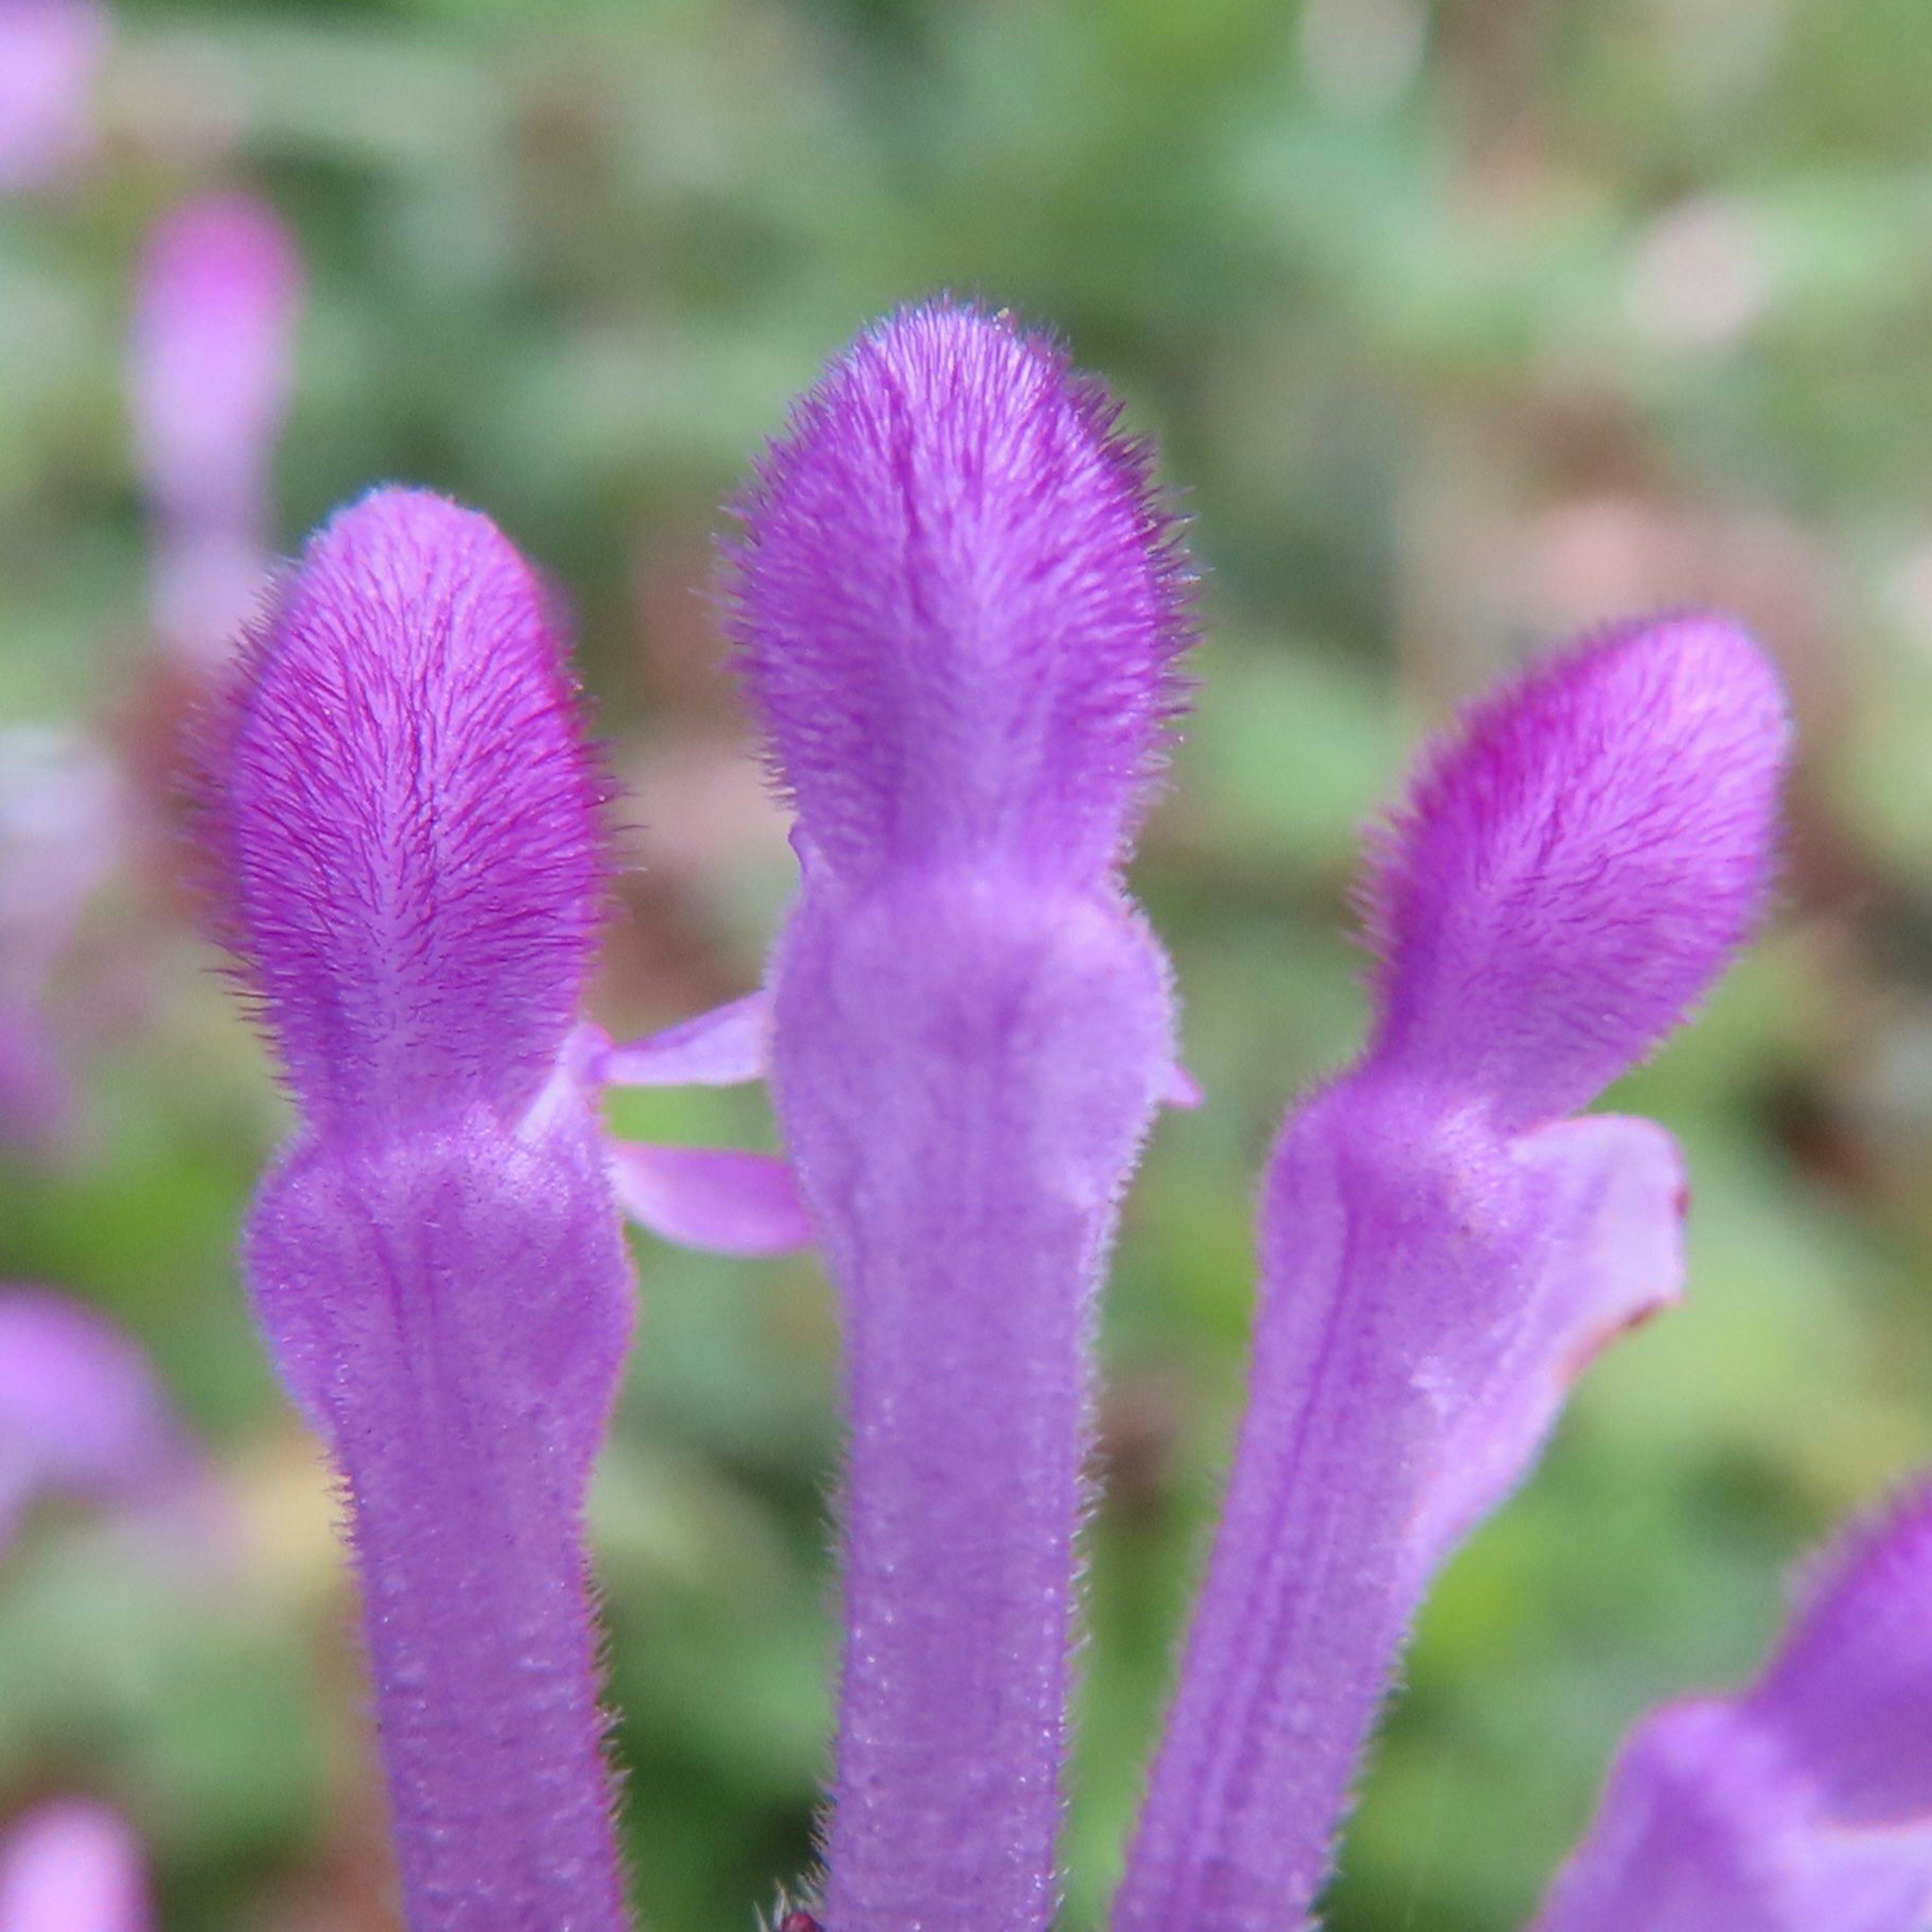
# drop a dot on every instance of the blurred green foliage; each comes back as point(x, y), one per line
point(1460, 326)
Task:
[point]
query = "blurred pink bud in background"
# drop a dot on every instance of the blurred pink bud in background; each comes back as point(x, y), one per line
point(50, 53)
point(210, 364)
point(80, 1411)
point(73, 1866)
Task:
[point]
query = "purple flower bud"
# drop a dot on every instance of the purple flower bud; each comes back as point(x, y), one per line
point(1803, 1804)
point(50, 53)
point(403, 818)
point(959, 607)
point(958, 610)
point(403, 812)
point(1437, 1263)
point(209, 370)
point(80, 1411)
point(72, 1866)
point(1570, 875)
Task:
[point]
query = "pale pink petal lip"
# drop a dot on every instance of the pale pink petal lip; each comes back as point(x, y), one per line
point(727, 1047)
point(1616, 1193)
point(728, 1200)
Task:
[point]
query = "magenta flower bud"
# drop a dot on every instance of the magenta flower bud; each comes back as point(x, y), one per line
point(958, 611)
point(959, 607)
point(210, 367)
point(403, 815)
point(1440, 1254)
point(402, 745)
point(1570, 875)
point(73, 1866)
point(80, 1411)
point(1801, 1804)
point(51, 53)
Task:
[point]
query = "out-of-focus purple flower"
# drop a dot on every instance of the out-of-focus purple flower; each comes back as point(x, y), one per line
point(62, 817)
point(73, 1866)
point(1801, 1804)
point(80, 1411)
point(402, 814)
point(1441, 1252)
point(210, 367)
point(50, 56)
point(958, 609)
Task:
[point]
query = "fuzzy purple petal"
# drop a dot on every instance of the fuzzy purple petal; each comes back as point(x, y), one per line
point(957, 606)
point(1851, 1688)
point(1428, 1290)
point(1573, 867)
point(403, 815)
point(1805, 1803)
point(73, 1866)
point(1437, 1263)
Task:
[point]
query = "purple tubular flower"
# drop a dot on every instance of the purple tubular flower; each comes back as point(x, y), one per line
point(209, 371)
point(1440, 1253)
point(1802, 1804)
point(80, 1411)
point(402, 814)
point(73, 1866)
point(958, 611)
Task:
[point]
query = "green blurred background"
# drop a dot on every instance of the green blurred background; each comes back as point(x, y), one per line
point(1460, 326)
